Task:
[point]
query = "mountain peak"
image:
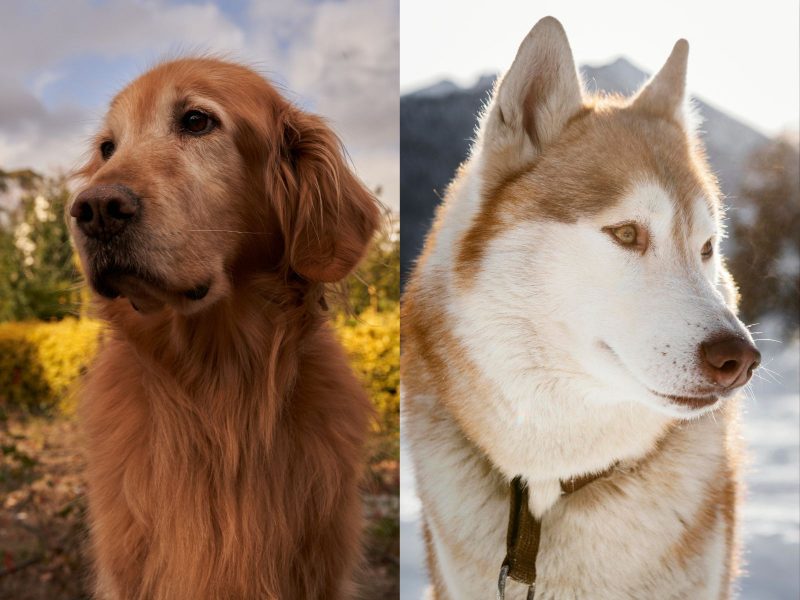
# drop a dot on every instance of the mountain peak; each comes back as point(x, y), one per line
point(620, 76)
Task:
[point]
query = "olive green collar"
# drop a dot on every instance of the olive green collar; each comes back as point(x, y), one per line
point(524, 533)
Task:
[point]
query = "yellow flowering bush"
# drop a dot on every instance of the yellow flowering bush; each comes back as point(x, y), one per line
point(40, 361)
point(372, 340)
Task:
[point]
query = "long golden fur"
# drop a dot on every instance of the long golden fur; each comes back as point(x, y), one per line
point(224, 428)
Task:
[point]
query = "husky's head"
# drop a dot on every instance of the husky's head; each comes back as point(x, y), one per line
point(594, 248)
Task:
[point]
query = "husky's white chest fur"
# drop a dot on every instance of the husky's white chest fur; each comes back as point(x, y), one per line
point(569, 314)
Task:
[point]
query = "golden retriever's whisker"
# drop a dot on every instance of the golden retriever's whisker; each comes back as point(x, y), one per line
point(228, 231)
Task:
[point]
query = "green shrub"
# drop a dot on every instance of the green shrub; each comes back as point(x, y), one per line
point(376, 282)
point(40, 361)
point(39, 276)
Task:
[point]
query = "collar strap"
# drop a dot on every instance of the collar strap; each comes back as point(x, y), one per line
point(522, 539)
point(524, 533)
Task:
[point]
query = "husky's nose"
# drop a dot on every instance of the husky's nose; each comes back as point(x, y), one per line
point(729, 361)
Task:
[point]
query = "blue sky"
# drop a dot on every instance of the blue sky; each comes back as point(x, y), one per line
point(63, 62)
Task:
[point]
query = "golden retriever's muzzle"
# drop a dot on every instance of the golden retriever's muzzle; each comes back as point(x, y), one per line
point(107, 217)
point(114, 240)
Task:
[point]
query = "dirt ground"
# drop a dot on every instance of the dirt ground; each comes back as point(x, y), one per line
point(42, 515)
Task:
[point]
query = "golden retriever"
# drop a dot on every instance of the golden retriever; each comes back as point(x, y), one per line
point(224, 427)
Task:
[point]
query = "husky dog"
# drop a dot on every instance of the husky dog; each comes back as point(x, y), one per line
point(571, 316)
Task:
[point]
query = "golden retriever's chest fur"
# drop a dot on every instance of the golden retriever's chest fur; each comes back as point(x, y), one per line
point(204, 497)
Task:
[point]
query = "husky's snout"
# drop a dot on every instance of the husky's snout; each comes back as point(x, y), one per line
point(728, 360)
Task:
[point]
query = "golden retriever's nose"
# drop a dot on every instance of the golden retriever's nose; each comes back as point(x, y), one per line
point(729, 361)
point(103, 211)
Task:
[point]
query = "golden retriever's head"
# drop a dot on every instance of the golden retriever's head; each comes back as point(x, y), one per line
point(203, 174)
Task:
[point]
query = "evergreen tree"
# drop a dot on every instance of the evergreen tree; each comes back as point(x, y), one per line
point(766, 258)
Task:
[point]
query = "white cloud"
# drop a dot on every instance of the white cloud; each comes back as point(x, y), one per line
point(340, 59)
point(38, 38)
point(33, 136)
point(380, 169)
point(40, 34)
point(344, 56)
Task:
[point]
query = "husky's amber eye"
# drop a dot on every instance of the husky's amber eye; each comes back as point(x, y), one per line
point(629, 235)
point(626, 234)
point(707, 251)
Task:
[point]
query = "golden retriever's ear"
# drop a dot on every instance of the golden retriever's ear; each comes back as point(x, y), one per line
point(328, 217)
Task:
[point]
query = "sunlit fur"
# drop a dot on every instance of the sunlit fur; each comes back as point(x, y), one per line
point(533, 344)
point(224, 435)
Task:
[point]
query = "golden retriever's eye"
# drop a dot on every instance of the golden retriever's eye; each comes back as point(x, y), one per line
point(196, 122)
point(107, 149)
point(629, 235)
point(707, 250)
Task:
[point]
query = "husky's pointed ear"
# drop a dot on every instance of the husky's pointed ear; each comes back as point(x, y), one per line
point(536, 97)
point(327, 216)
point(665, 94)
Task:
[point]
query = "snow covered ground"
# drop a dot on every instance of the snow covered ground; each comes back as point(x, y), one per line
point(771, 514)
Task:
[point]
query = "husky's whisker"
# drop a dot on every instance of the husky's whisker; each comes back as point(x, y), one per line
point(752, 393)
point(749, 393)
point(775, 377)
point(770, 379)
point(764, 367)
